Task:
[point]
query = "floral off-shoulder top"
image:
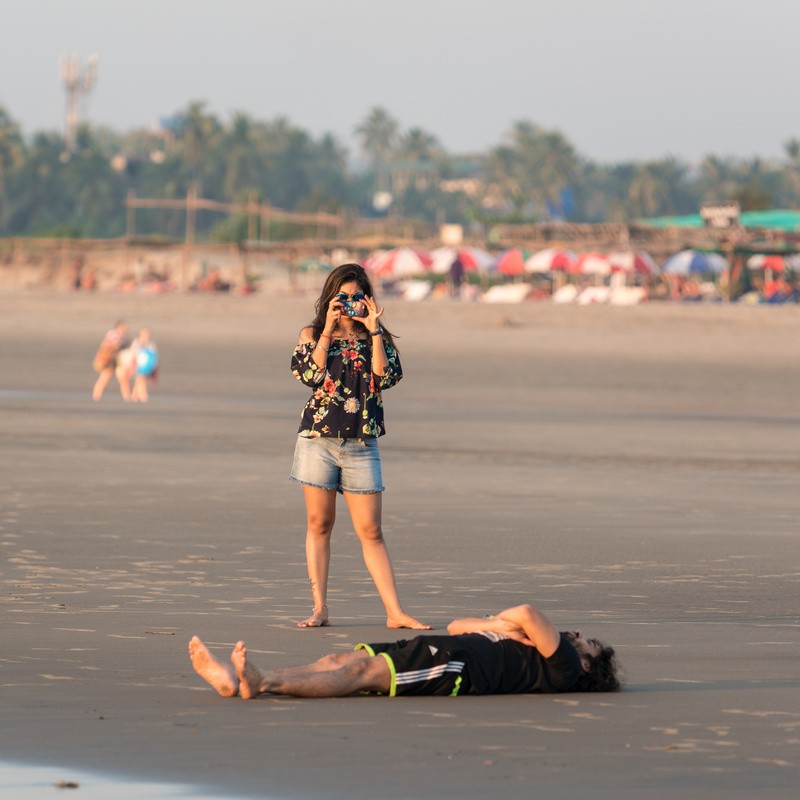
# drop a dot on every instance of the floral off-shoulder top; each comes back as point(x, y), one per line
point(346, 402)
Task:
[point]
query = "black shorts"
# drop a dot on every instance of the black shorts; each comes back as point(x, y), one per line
point(420, 666)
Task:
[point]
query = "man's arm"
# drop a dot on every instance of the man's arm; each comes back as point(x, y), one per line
point(523, 623)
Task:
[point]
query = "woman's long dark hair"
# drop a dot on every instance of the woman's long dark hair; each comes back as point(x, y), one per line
point(339, 276)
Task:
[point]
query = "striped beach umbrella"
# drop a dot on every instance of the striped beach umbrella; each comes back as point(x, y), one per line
point(399, 262)
point(551, 259)
point(695, 262)
point(591, 264)
point(633, 262)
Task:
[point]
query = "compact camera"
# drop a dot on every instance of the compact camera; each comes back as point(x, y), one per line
point(354, 307)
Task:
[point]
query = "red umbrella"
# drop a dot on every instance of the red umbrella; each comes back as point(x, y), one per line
point(512, 262)
point(591, 264)
point(400, 262)
point(759, 261)
point(551, 259)
point(633, 261)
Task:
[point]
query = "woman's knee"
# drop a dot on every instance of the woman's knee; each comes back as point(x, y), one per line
point(320, 524)
point(370, 534)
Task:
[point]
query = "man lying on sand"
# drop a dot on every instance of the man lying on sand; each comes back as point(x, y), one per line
point(517, 651)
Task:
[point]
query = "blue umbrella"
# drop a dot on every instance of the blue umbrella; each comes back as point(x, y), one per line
point(695, 262)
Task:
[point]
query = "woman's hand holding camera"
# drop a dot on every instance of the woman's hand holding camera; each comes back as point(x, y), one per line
point(370, 321)
point(332, 317)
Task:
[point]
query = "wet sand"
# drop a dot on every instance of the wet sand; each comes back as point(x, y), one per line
point(632, 471)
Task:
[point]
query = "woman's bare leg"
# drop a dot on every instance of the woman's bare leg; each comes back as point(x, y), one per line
point(321, 514)
point(102, 381)
point(140, 393)
point(124, 387)
point(333, 676)
point(365, 510)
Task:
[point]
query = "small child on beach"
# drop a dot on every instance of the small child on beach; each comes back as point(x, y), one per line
point(146, 366)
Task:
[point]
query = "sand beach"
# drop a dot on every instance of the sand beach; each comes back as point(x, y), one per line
point(633, 471)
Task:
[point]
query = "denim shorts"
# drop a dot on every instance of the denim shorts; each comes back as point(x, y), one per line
point(343, 465)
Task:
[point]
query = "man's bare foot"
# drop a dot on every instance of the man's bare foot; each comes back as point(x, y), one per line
point(221, 676)
point(319, 619)
point(249, 674)
point(406, 621)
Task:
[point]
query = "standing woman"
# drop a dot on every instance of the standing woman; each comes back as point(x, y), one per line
point(347, 358)
point(105, 361)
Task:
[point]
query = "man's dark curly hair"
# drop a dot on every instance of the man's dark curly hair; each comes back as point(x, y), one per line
point(602, 674)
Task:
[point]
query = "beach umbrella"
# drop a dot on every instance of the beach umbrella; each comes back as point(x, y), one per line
point(591, 264)
point(695, 262)
point(551, 259)
point(400, 262)
point(633, 262)
point(473, 258)
point(511, 262)
point(773, 262)
point(759, 261)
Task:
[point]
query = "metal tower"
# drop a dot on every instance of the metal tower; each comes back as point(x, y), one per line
point(77, 81)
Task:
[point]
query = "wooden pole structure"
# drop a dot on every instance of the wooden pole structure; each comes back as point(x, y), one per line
point(191, 210)
point(736, 261)
point(265, 221)
point(130, 223)
point(252, 217)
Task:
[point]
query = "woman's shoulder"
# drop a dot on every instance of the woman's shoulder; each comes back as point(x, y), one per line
point(307, 335)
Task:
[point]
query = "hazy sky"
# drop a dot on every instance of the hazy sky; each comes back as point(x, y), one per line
point(623, 79)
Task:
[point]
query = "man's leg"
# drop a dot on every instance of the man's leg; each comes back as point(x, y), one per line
point(338, 675)
point(221, 676)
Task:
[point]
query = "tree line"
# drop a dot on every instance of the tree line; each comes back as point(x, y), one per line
point(534, 174)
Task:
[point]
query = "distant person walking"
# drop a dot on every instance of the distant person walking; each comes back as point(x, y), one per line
point(346, 357)
point(456, 276)
point(105, 361)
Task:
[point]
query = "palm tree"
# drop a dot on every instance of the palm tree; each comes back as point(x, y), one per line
point(555, 165)
point(536, 168)
point(11, 155)
point(647, 193)
point(503, 186)
point(243, 166)
point(417, 144)
point(792, 148)
point(717, 179)
point(197, 137)
point(378, 133)
point(792, 173)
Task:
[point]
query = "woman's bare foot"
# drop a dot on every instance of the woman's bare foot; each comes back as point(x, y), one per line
point(406, 621)
point(319, 619)
point(221, 676)
point(249, 675)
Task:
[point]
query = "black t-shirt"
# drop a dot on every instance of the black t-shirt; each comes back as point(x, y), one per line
point(505, 666)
